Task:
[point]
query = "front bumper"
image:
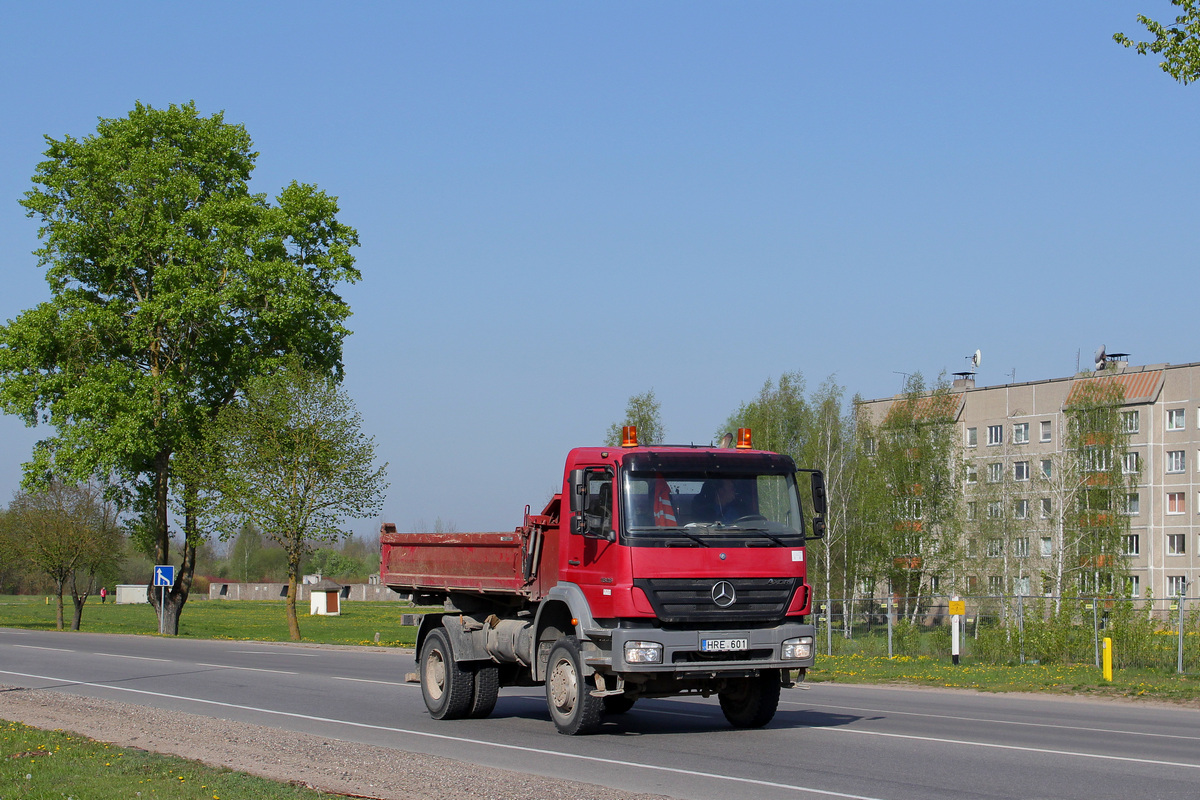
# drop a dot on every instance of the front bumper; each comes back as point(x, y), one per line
point(682, 654)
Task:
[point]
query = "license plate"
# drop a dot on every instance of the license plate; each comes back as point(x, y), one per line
point(723, 645)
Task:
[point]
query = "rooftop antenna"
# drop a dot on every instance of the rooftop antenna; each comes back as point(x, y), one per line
point(906, 376)
point(974, 358)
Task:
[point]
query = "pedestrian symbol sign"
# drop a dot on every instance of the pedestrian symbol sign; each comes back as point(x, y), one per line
point(164, 575)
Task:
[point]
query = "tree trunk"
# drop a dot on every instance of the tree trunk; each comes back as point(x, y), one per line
point(77, 618)
point(58, 620)
point(293, 623)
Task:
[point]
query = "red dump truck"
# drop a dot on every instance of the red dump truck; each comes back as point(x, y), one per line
point(656, 571)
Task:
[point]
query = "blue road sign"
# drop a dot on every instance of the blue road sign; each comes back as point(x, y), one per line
point(164, 575)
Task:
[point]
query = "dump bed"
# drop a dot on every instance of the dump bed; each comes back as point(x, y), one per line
point(488, 563)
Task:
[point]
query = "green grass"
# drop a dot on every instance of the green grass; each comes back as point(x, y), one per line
point(1078, 679)
point(52, 765)
point(258, 620)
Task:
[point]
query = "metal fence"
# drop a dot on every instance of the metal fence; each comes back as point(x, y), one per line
point(1006, 629)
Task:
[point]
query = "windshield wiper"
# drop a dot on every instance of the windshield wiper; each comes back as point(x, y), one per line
point(755, 529)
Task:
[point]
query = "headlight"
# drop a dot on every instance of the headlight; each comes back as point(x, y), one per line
point(643, 653)
point(799, 648)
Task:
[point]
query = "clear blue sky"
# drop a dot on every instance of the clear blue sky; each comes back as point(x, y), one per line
point(563, 204)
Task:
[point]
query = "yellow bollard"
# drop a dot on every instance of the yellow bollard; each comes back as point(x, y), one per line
point(1108, 659)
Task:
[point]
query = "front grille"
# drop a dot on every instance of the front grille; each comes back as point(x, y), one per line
point(676, 600)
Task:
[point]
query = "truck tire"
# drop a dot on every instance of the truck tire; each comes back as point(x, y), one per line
point(751, 702)
point(487, 689)
point(569, 693)
point(447, 687)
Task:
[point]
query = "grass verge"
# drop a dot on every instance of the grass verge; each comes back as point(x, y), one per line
point(257, 620)
point(1054, 678)
point(52, 765)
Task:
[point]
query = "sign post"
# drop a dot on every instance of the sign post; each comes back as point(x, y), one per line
point(164, 576)
point(958, 608)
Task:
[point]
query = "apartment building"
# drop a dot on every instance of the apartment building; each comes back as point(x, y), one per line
point(1010, 435)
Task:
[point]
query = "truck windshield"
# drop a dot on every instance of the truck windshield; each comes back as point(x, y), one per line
point(711, 507)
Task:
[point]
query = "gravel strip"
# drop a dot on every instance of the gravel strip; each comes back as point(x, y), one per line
point(331, 765)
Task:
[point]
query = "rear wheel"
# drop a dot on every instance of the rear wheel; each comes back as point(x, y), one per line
point(751, 702)
point(447, 687)
point(487, 689)
point(569, 693)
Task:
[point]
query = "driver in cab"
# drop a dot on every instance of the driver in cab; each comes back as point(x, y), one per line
point(721, 502)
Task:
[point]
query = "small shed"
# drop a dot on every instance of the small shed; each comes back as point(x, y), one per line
point(132, 593)
point(325, 598)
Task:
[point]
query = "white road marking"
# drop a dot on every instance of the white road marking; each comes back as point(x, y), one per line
point(462, 739)
point(139, 658)
point(247, 669)
point(994, 721)
point(385, 683)
point(38, 647)
point(994, 746)
point(275, 653)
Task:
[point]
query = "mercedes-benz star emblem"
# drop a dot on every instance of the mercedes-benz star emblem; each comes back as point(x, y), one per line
point(723, 594)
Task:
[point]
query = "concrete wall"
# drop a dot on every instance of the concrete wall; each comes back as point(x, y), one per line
point(277, 591)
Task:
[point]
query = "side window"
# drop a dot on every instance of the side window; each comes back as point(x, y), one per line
point(598, 504)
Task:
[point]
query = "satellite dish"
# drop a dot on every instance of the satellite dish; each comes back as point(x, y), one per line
point(975, 359)
point(1100, 356)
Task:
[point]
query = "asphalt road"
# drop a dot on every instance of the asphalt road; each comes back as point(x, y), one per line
point(826, 741)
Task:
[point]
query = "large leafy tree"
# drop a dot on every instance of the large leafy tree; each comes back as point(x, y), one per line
point(291, 459)
point(644, 411)
point(915, 501)
point(1177, 42)
point(70, 534)
point(171, 285)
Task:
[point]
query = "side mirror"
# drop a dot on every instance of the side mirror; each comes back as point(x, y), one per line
point(818, 493)
point(577, 488)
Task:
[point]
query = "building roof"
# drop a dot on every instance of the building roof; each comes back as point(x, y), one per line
point(1139, 387)
point(945, 406)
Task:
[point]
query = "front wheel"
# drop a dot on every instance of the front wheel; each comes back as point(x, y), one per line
point(447, 688)
point(569, 693)
point(751, 702)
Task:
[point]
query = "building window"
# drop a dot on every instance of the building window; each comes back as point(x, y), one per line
point(972, 584)
point(869, 446)
point(1176, 544)
point(995, 434)
point(1021, 548)
point(1176, 585)
point(1133, 545)
point(1021, 509)
point(1175, 420)
point(1176, 461)
point(1020, 470)
point(1047, 546)
point(996, 584)
point(995, 472)
point(972, 437)
point(1021, 433)
point(1046, 430)
point(995, 548)
point(1021, 586)
point(994, 510)
point(1129, 463)
point(971, 508)
point(1131, 421)
point(1133, 585)
point(1047, 468)
point(1133, 504)
point(972, 473)
point(1047, 508)
point(970, 548)
point(1175, 503)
